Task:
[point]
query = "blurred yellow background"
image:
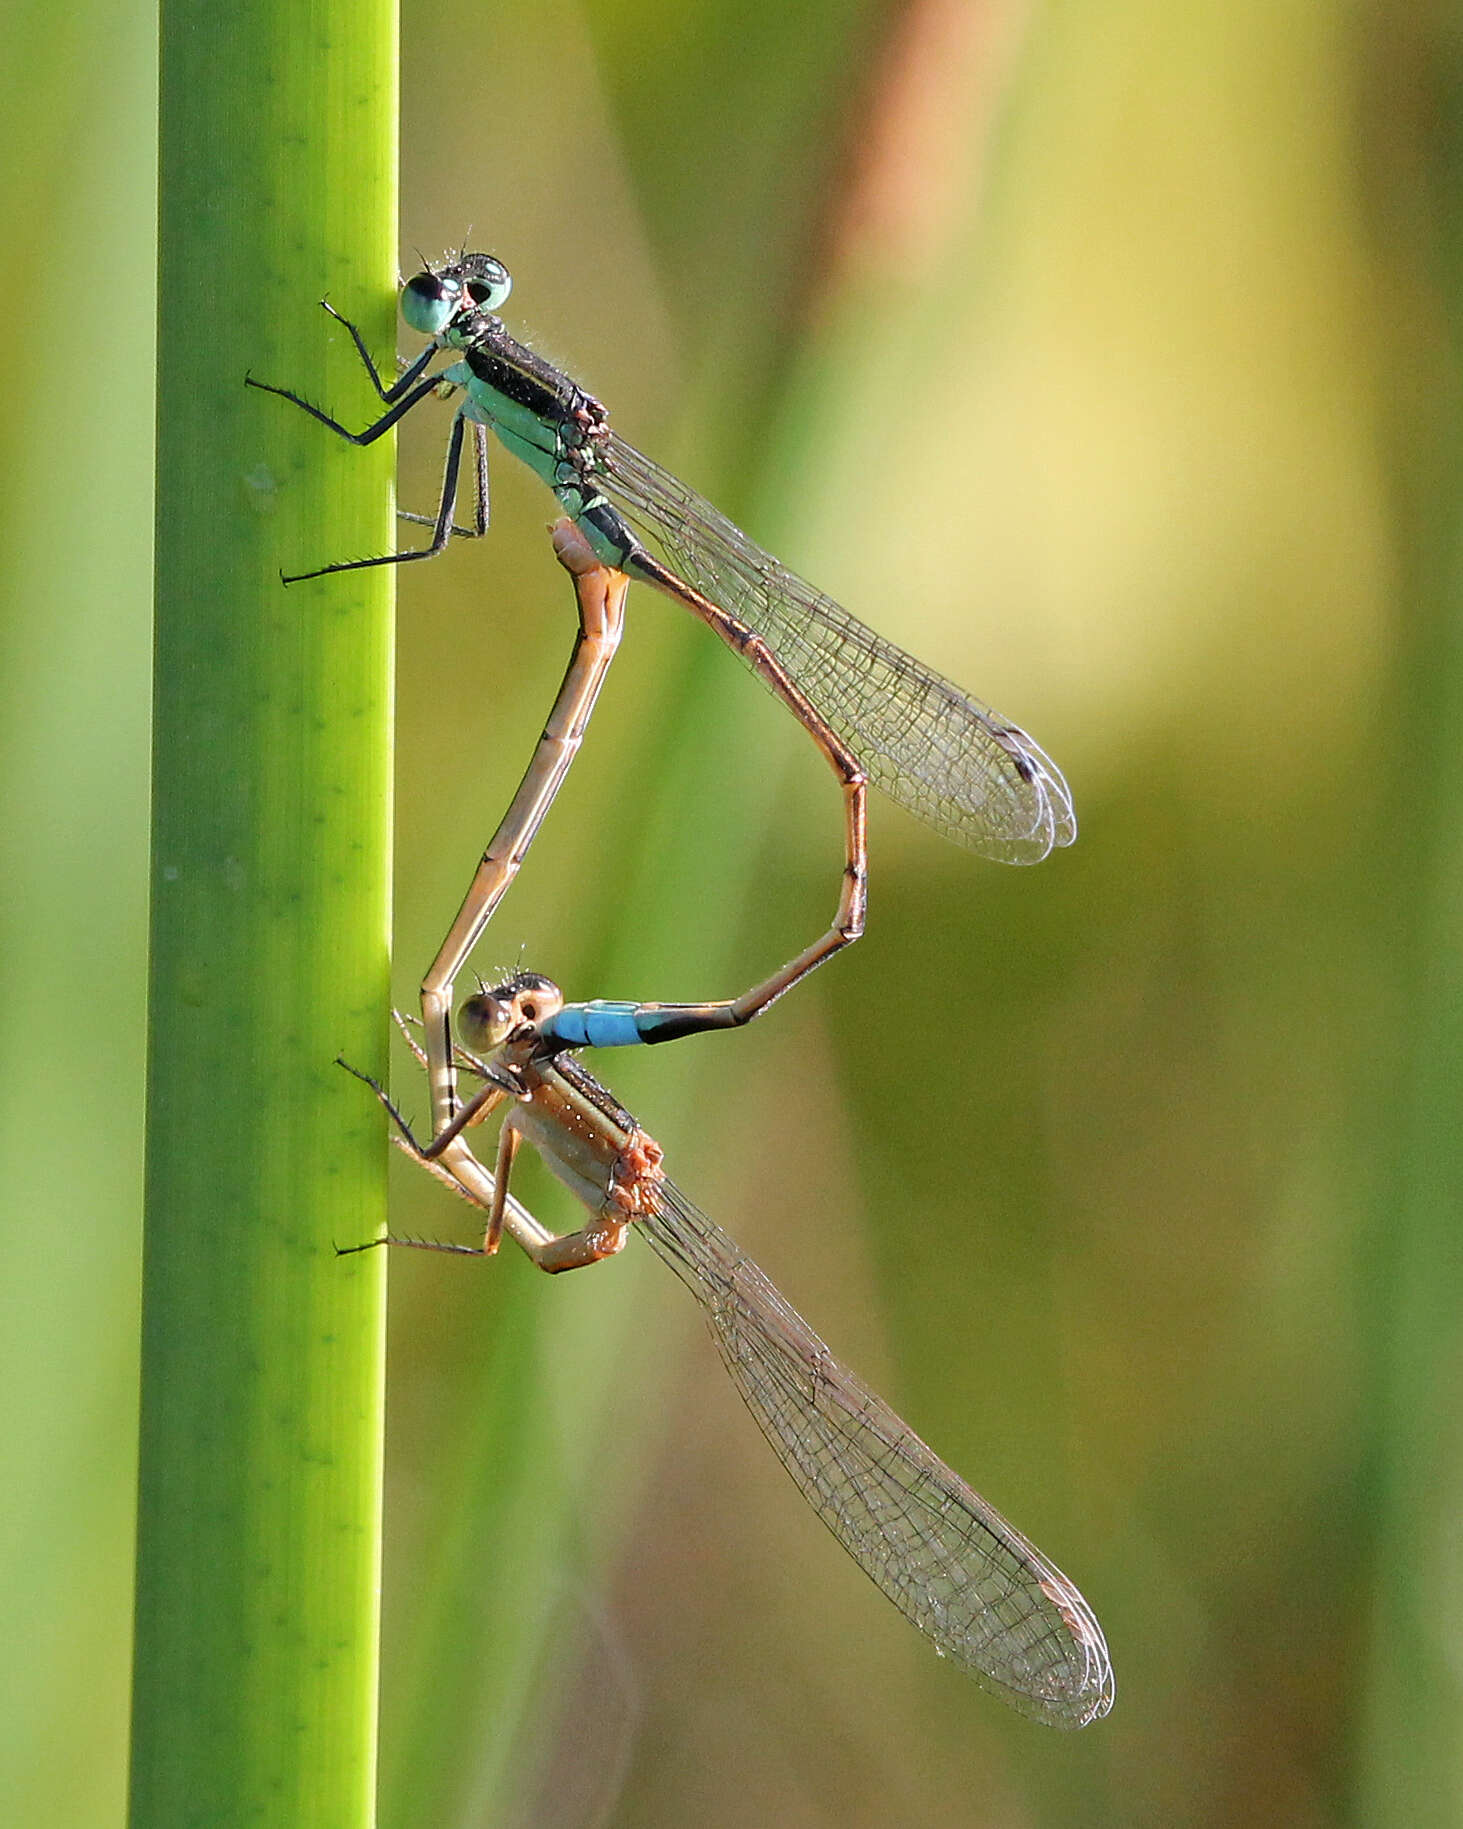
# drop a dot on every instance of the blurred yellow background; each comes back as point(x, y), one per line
point(1106, 357)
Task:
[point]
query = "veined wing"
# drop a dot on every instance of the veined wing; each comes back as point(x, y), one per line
point(943, 755)
point(950, 1562)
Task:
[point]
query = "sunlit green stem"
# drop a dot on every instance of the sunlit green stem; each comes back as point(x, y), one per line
point(262, 1354)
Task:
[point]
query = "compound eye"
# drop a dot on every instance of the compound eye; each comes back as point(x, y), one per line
point(428, 303)
point(486, 280)
point(483, 1023)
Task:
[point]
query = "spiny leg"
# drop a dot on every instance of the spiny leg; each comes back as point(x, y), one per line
point(403, 397)
point(402, 382)
point(482, 510)
point(442, 527)
point(458, 1169)
point(405, 393)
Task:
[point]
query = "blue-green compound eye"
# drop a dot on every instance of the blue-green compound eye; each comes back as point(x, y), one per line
point(429, 303)
point(488, 281)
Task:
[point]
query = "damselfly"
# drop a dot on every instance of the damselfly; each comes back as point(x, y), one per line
point(976, 777)
point(987, 1597)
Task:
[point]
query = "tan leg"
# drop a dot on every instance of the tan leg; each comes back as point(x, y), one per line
point(452, 1162)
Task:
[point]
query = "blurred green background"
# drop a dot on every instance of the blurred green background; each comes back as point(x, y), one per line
point(1105, 356)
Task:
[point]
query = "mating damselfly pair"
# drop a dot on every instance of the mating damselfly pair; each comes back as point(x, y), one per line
point(952, 1564)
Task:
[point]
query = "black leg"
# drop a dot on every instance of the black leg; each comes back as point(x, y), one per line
point(480, 468)
point(372, 432)
point(403, 381)
point(442, 526)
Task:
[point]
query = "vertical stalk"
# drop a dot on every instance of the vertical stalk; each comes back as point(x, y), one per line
point(1409, 1750)
point(259, 1506)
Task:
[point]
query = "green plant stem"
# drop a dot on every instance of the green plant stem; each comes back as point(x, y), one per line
point(259, 1495)
point(1407, 1747)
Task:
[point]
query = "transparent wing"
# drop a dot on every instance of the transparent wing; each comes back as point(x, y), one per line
point(950, 1562)
point(946, 757)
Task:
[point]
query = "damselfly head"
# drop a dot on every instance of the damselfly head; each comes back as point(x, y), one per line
point(525, 1000)
point(463, 283)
